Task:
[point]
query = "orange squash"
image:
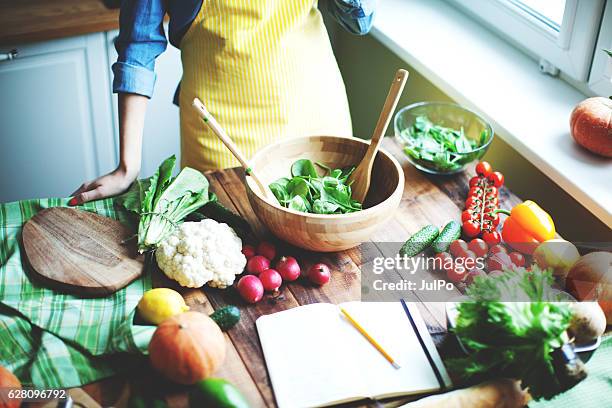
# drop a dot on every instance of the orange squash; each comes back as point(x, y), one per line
point(8, 381)
point(591, 125)
point(187, 348)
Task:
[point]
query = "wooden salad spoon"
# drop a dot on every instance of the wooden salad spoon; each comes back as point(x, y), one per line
point(229, 143)
point(361, 176)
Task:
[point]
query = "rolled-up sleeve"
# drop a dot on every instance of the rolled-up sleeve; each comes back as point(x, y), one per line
point(356, 16)
point(141, 40)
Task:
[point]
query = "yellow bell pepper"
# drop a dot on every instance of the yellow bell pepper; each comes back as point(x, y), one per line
point(527, 226)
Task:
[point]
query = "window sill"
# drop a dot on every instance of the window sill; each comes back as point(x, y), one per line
point(528, 110)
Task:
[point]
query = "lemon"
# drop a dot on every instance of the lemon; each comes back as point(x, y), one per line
point(156, 305)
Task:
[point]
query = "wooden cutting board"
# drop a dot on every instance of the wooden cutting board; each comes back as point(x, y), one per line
point(81, 252)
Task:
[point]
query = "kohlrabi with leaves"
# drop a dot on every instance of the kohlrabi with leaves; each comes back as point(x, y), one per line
point(162, 201)
point(514, 326)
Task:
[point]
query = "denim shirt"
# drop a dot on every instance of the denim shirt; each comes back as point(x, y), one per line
point(142, 38)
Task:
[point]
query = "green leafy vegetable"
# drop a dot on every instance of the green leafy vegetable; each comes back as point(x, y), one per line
point(162, 201)
point(440, 148)
point(513, 327)
point(306, 191)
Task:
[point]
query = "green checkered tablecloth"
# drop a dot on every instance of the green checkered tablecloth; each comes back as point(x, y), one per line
point(49, 339)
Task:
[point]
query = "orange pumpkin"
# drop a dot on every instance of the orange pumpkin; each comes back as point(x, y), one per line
point(591, 125)
point(8, 381)
point(187, 348)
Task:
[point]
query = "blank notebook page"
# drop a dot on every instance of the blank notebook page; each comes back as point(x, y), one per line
point(316, 357)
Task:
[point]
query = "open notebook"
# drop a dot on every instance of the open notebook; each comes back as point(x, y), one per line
point(315, 357)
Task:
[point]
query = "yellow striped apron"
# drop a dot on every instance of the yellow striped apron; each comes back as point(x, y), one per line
point(265, 70)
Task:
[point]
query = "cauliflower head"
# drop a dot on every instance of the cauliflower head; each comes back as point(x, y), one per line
point(197, 253)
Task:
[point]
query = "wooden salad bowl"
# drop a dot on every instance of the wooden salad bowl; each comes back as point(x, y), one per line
point(325, 232)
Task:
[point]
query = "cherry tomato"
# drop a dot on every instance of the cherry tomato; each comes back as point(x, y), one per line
point(491, 201)
point(492, 190)
point(443, 262)
point(475, 192)
point(476, 181)
point(483, 168)
point(472, 200)
point(493, 217)
point(491, 237)
point(471, 228)
point(496, 178)
point(497, 248)
point(517, 258)
point(479, 247)
point(458, 247)
point(468, 215)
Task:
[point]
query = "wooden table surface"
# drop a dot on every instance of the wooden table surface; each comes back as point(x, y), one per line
point(427, 200)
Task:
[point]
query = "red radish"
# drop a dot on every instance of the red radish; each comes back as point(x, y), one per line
point(456, 275)
point(250, 288)
point(248, 251)
point(270, 279)
point(497, 248)
point(288, 268)
point(257, 264)
point(266, 249)
point(458, 247)
point(319, 274)
point(499, 260)
point(478, 246)
point(443, 261)
point(469, 279)
point(517, 258)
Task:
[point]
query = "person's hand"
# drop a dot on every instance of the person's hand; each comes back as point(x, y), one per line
point(115, 182)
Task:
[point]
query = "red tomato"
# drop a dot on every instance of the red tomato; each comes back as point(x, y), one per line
point(517, 258)
point(491, 237)
point(475, 191)
point(456, 275)
point(492, 190)
point(468, 215)
point(479, 247)
point(483, 168)
point(496, 178)
point(476, 181)
point(471, 200)
point(493, 217)
point(471, 228)
point(497, 248)
point(458, 247)
point(491, 200)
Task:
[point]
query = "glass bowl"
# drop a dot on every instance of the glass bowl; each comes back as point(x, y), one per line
point(442, 152)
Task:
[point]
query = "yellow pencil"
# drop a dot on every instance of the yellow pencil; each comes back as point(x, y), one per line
point(369, 338)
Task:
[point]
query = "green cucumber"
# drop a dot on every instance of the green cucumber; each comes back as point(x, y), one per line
point(449, 233)
point(216, 393)
point(226, 317)
point(419, 241)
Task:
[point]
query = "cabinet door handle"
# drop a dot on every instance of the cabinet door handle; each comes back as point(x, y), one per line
point(7, 56)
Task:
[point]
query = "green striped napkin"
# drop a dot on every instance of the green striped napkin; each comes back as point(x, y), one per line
point(52, 340)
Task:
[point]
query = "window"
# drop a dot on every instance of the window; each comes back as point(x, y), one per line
point(560, 33)
point(600, 80)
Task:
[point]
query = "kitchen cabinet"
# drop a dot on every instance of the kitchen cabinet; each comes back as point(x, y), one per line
point(59, 116)
point(161, 133)
point(56, 117)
